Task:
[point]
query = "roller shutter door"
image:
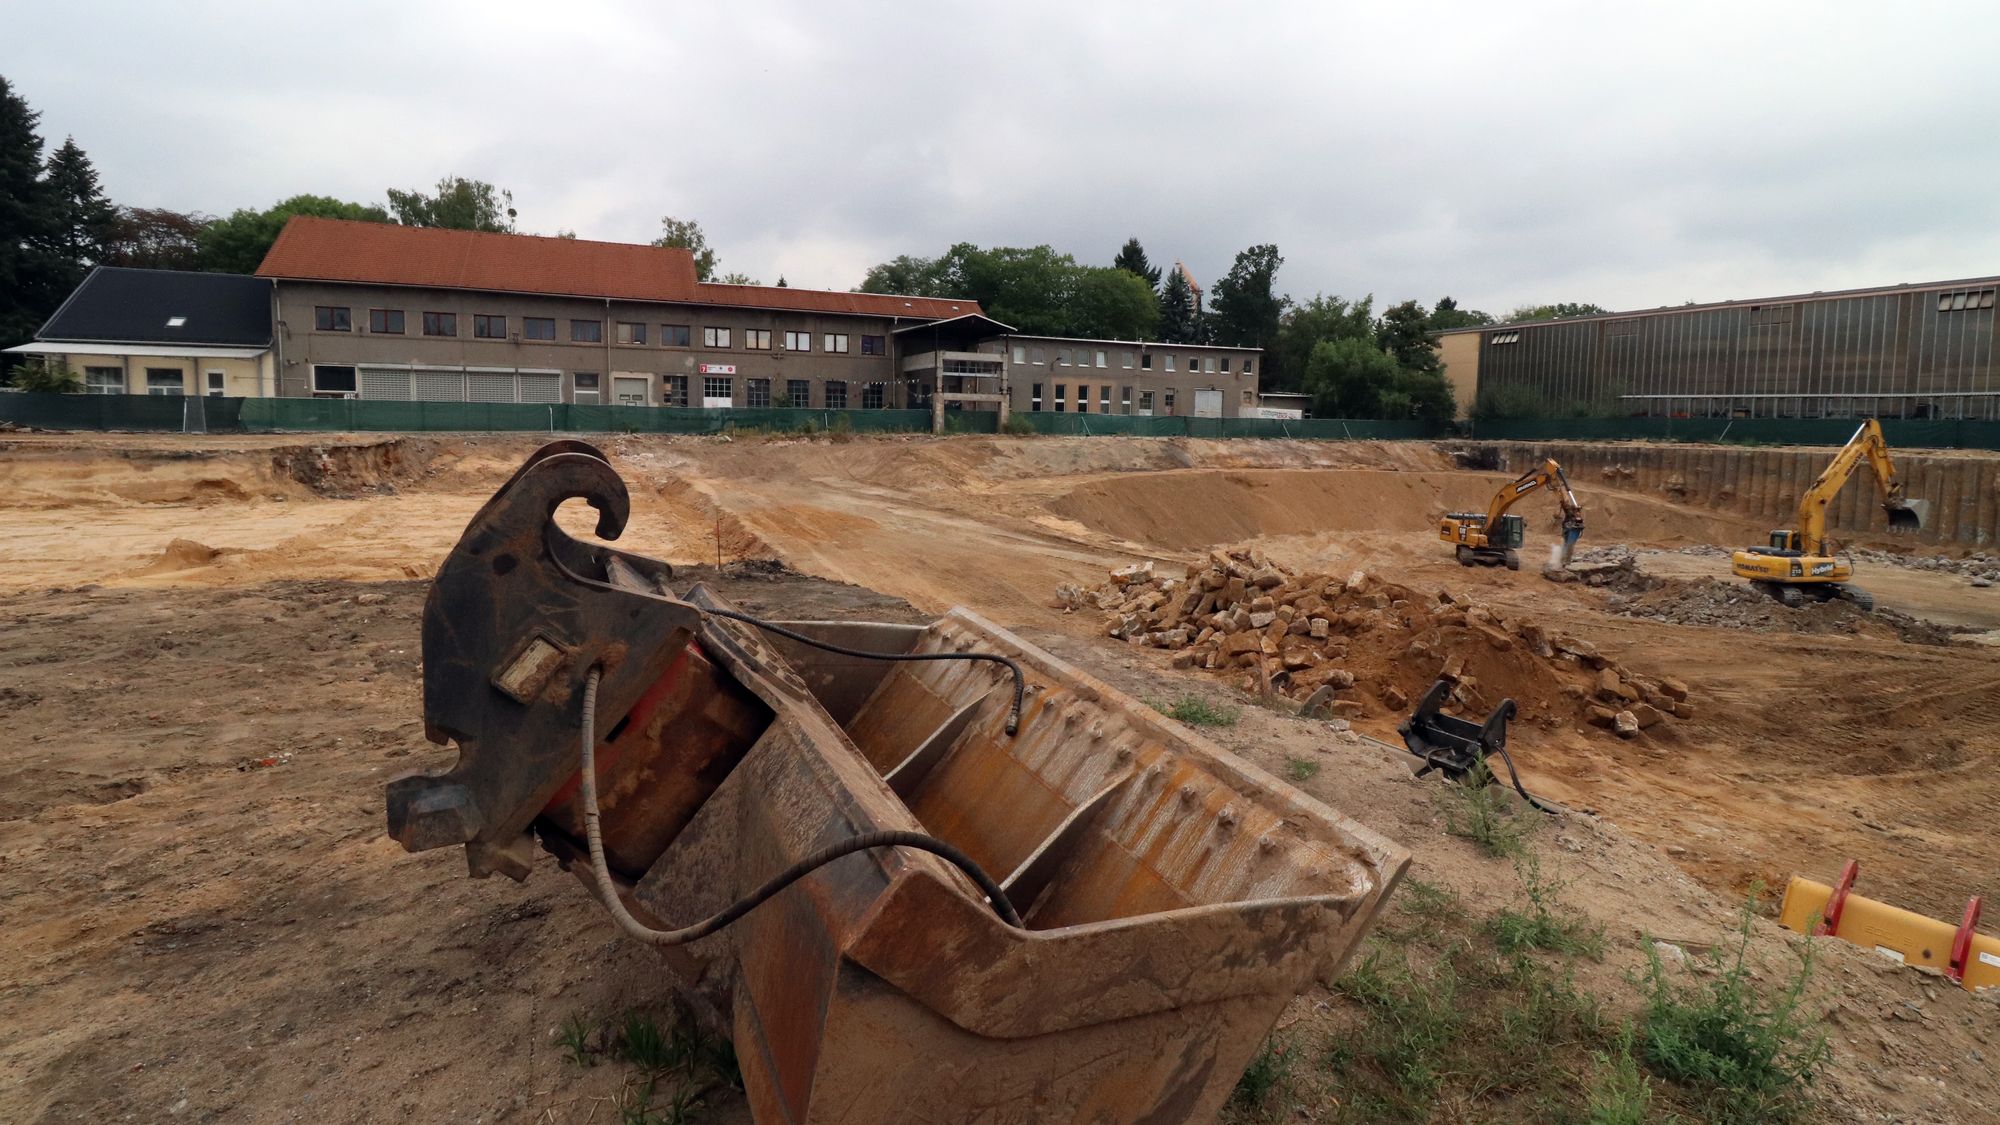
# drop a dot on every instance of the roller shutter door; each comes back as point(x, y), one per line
point(385, 384)
point(541, 388)
point(440, 386)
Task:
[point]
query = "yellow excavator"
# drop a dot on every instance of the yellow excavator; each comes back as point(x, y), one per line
point(1800, 564)
point(1493, 538)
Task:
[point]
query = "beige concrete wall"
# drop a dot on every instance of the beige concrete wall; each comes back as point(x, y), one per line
point(242, 378)
point(1459, 352)
point(1042, 362)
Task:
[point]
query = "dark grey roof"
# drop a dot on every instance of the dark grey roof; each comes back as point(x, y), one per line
point(127, 306)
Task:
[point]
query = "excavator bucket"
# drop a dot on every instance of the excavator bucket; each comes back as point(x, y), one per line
point(1172, 898)
point(1907, 515)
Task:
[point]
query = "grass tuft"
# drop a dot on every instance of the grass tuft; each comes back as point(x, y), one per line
point(1482, 812)
point(1540, 926)
point(1619, 1093)
point(1198, 712)
point(1301, 769)
point(574, 1038)
point(1751, 1055)
point(1266, 1091)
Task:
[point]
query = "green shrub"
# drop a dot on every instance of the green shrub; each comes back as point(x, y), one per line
point(1018, 426)
point(46, 375)
point(1480, 811)
point(1540, 927)
point(1753, 1056)
point(1198, 712)
point(1301, 769)
point(1265, 1087)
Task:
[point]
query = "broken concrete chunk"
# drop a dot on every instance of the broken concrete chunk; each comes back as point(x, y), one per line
point(1393, 697)
point(1137, 572)
point(1646, 715)
point(1262, 620)
point(1626, 724)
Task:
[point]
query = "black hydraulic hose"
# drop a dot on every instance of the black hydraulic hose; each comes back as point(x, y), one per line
point(1518, 788)
point(1020, 678)
point(608, 890)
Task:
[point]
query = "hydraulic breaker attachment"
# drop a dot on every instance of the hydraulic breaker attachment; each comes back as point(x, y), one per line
point(1447, 743)
point(1961, 952)
point(1170, 897)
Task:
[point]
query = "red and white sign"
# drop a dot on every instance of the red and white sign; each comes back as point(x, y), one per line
point(717, 368)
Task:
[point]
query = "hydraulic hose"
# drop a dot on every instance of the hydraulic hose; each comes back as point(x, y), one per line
point(608, 890)
point(1020, 678)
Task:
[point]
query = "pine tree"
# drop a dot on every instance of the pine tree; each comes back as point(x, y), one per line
point(84, 221)
point(1132, 259)
point(1180, 321)
point(28, 282)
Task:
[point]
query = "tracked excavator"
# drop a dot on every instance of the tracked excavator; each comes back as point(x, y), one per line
point(1493, 537)
point(917, 873)
point(1800, 564)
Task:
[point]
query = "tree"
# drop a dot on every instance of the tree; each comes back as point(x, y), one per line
point(1180, 321)
point(30, 282)
point(1245, 310)
point(687, 234)
point(460, 204)
point(782, 283)
point(1132, 259)
point(238, 243)
point(83, 221)
point(906, 276)
point(1561, 310)
point(1114, 304)
point(737, 279)
point(47, 375)
point(1447, 315)
point(153, 238)
point(1305, 326)
point(1404, 332)
point(1347, 377)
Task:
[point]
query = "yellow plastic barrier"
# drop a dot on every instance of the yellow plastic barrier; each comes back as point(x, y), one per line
point(1892, 931)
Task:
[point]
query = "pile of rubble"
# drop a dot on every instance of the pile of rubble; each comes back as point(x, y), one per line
point(1738, 605)
point(1358, 644)
point(1614, 567)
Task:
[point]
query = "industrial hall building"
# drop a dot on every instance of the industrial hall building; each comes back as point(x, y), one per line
point(1902, 351)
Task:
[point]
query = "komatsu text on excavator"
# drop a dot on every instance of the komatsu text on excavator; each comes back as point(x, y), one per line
point(1492, 538)
point(1801, 564)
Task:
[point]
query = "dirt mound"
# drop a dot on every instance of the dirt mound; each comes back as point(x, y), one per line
point(1734, 605)
point(185, 554)
point(1190, 509)
point(1377, 645)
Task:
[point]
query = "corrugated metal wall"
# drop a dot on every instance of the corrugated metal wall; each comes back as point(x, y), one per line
point(1920, 353)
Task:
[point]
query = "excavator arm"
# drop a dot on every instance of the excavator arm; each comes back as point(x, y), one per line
point(1548, 475)
point(1867, 444)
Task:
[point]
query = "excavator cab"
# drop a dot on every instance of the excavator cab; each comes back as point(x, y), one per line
point(1509, 531)
point(1784, 540)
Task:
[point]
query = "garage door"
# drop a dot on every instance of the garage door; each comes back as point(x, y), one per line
point(631, 390)
point(1208, 404)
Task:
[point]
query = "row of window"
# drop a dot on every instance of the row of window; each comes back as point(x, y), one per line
point(159, 381)
point(1087, 357)
point(720, 390)
point(391, 322)
point(1083, 400)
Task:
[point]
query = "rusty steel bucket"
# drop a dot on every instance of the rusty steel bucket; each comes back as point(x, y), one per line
point(1173, 898)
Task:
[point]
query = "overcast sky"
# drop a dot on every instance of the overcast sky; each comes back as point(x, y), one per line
point(1503, 153)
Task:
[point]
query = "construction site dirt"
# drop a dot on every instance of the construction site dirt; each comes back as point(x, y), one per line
point(210, 670)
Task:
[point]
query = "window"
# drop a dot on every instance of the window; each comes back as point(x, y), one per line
point(757, 392)
point(798, 341)
point(1965, 299)
point(538, 327)
point(328, 318)
point(1246, 367)
point(874, 345)
point(1062, 357)
point(1208, 365)
point(1083, 398)
point(717, 390)
point(1039, 355)
point(1146, 361)
point(1104, 399)
point(677, 390)
point(1225, 365)
point(1170, 363)
point(167, 381)
point(387, 322)
point(1124, 400)
point(1125, 360)
point(674, 335)
point(440, 324)
point(799, 392)
point(104, 380)
point(1249, 397)
point(836, 343)
point(1145, 402)
point(1020, 354)
point(1504, 338)
point(587, 389)
point(1194, 364)
point(177, 322)
point(1100, 359)
point(715, 338)
point(874, 396)
point(1061, 391)
point(485, 327)
point(757, 339)
point(1168, 401)
point(331, 380)
point(218, 383)
point(586, 331)
point(836, 394)
point(630, 333)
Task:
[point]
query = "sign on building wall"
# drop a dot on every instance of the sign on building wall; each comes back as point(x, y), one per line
point(1278, 412)
point(717, 368)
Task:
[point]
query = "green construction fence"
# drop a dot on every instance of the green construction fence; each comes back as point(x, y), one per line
point(278, 415)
